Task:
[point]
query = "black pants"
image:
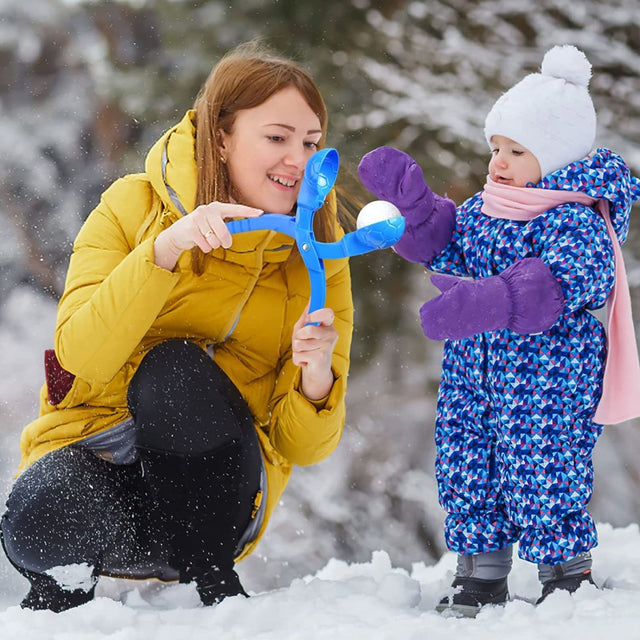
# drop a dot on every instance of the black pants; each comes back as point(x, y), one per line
point(177, 512)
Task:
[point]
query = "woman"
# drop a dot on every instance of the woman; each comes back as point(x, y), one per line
point(187, 377)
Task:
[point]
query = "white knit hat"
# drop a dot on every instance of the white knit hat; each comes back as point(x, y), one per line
point(550, 113)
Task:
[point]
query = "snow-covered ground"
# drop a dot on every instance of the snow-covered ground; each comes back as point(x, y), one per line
point(371, 600)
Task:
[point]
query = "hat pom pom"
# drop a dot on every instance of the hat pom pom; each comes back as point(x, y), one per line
point(567, 63)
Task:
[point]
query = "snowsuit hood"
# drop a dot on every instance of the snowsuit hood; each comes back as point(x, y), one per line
point(605, 176)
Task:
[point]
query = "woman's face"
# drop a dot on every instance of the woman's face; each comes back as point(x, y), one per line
point(512, 164)
point(268, 148)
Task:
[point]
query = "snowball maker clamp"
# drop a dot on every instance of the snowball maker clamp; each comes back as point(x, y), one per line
point(319, 176)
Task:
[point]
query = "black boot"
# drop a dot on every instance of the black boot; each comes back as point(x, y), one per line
point(213, 586)
point(566, 583)
point(473, 595)
point(566, 576)
point(481, 579)
point(46, 593)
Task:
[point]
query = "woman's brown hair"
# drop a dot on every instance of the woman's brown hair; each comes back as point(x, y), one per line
point(243, 79)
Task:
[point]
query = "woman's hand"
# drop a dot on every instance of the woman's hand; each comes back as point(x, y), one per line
point(204, 227)
point(312, 346)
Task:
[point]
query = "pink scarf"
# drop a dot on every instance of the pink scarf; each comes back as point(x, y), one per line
point(620, 399)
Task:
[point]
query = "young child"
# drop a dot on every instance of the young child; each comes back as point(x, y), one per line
point(524, 390)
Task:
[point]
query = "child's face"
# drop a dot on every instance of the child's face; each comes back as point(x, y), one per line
point(512, 164)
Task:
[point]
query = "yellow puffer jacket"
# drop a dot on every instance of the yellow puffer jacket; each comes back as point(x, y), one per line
point(118, 304)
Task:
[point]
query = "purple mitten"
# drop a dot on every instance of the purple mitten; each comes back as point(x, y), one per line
point(394, 176)
point(525, 298)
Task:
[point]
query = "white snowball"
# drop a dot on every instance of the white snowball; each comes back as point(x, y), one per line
point(375, 212)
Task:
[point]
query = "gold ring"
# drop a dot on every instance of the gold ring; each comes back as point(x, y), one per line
point(206, 235)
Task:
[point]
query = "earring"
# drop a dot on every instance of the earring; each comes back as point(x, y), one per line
point(223, 160)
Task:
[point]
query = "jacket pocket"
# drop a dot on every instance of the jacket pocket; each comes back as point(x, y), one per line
point(59, 380)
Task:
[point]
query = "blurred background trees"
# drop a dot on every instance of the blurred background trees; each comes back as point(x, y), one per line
point(87, 86)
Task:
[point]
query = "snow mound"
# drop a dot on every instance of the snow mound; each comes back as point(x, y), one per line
point(372, 600)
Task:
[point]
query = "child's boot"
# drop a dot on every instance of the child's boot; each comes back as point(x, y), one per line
point(480, 579)
point(566, 576)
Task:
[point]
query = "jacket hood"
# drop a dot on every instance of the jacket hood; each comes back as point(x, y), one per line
point(171, 166)
point(603, 175)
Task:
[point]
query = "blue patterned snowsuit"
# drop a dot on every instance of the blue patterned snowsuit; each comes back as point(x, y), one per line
point(514, 427)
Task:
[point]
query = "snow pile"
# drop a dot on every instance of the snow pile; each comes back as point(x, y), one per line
point(371, 600)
